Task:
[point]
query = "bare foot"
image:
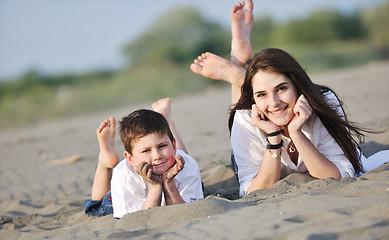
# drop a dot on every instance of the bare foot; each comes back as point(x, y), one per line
point(212, 66)
point(162, 106)
point(106, 137)
point(241, 25)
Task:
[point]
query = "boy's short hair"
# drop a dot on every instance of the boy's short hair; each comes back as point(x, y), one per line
point(141, 123)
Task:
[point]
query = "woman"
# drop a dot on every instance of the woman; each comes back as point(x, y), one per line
point(281, 121)
point(294, 125)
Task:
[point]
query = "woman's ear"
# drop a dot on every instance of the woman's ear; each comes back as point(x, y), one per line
point(129, 158)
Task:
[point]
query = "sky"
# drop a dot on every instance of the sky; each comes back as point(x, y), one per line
point(57, 36)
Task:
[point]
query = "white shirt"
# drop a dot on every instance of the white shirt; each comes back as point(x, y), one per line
point(249, 144)
point(129, 190)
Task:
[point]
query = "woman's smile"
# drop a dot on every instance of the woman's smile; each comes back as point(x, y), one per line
point(280, 110)
point(275, 96)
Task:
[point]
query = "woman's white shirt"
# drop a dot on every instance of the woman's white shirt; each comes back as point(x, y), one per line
point(249, 144)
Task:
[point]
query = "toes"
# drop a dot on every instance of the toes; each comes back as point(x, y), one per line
point(250, 5)
point(103, 124)
point(111, 122)
point(196, 68)
point(207, 54)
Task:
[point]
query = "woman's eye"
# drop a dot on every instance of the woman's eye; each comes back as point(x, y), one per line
point(260, 95)
point(282, 88)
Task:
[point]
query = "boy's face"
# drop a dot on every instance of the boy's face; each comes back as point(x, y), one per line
point(155, 150)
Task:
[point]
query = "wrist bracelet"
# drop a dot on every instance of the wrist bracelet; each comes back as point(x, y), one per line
point(275, 146)
point(275, 155)
point(274, 133)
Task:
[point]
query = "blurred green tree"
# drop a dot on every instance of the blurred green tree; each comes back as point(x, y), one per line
point(179, 36)
point(321, 27)
point(261, 32)
point(377, 22)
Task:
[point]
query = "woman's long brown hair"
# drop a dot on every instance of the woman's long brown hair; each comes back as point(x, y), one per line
point(341, 129)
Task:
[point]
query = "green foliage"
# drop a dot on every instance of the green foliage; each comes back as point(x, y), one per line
point(178, 37)
point(261, 32)
point(320, 27)
point(377, 21)
point(158, 61)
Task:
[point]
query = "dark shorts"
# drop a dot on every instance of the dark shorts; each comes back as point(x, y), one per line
point(233, 163)
point(99, 208)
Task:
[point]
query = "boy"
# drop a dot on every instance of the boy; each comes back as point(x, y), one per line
point(151, 173)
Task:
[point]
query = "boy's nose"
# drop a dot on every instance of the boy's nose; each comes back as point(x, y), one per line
point(156, 155)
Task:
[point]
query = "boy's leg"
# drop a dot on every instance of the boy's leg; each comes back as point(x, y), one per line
point(212, 66)
point(108, 159)
point(163, 107)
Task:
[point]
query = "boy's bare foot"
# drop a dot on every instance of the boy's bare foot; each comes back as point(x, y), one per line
point(241, 25)
point(212, 66)
point(162, 106)
point(106, 137)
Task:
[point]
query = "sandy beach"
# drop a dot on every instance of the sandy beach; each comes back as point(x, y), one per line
point(47, 171)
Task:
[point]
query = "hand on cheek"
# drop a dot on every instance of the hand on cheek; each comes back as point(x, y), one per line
point(259, 120)
point(145, 171)
point(302, 111)
point(175, 169)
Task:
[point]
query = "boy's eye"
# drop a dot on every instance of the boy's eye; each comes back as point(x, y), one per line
point(146, 150)
point(162, 145)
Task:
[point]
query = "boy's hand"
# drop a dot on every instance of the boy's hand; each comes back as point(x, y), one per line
point(175, 169)
point(144, 170)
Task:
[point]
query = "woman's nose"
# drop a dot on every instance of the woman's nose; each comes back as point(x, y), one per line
point(274, 100)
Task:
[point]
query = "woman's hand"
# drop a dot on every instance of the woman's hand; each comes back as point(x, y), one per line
point(259, 120)
point(302, 111)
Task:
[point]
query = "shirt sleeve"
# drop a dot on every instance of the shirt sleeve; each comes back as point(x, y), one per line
point(332, 151)
point(327, 145)
point(333, 101)
point(188, 181)
point(248, 149)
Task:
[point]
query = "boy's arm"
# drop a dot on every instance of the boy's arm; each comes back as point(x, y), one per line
point(172, 196)
point(154, 196)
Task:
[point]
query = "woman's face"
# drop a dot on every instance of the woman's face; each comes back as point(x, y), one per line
point(275, 95)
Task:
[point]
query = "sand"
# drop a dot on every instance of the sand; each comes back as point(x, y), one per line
point(47, 171)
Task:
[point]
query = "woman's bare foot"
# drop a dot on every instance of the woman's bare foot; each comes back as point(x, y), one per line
point(212, 66)
point(241, 25)
point(106, 136)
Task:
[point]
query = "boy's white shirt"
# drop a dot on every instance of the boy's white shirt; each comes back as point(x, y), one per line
point(129, 190)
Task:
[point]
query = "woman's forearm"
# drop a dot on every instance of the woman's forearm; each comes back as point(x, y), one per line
point(317, 165)
point(269, 172)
